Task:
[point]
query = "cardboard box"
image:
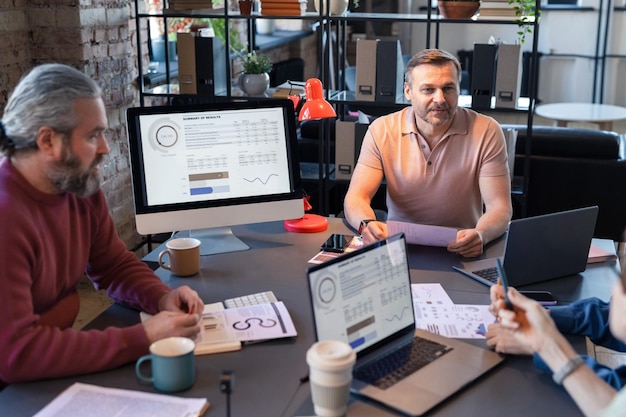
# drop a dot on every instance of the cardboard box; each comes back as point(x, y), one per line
point(366, 69)
point(348, 139)
point(201, 65)
point(508, 75)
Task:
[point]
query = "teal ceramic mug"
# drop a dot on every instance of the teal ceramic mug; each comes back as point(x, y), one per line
point(173, 366)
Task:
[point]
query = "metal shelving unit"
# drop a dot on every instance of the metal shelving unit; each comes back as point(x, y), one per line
point(332, 41)
point(341, 98)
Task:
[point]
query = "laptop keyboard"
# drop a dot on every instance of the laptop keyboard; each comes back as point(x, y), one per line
point(490, 274)
point(393, 366)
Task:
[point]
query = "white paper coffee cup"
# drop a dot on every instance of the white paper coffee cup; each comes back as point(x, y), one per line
point(330, 375)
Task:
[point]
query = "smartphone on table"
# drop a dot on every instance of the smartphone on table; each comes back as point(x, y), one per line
point(337, 243)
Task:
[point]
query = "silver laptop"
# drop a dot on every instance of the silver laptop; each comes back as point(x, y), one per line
point(540, 248)
point(364, 298)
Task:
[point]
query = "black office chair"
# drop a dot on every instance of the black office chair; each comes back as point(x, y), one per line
point(288, 70)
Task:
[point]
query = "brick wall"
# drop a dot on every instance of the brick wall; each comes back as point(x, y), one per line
point(14, 51)
point(96, 37)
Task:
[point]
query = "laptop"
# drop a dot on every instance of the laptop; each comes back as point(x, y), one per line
point(364, 298)
point(540, 248)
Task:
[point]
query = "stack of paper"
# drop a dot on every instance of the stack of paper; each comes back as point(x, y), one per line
point(283, 7)
point(435, 312)
point(80, 400)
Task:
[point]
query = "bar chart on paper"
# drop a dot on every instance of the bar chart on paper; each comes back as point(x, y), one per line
point(435, 312)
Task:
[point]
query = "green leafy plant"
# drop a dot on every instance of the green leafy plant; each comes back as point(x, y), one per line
point(219, 28)
point(255, 63)
point(525, 12)
point(252, 62)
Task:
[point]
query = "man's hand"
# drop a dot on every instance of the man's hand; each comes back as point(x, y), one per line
point(170, 323)
point(504, 341)
point(469, 243)
point(182, 299)
point(373, 232)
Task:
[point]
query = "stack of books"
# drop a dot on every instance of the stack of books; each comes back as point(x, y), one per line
point(190, 4)
point(283, 7)
point(496, 8)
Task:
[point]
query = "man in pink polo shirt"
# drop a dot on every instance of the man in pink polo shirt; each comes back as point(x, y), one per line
point(442, 163)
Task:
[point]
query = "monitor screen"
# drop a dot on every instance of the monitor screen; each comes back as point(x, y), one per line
point(200, 169)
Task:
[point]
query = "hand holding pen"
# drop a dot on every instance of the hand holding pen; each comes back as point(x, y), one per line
point(503, 283)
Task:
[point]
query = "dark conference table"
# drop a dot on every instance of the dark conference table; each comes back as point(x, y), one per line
point(268, 375)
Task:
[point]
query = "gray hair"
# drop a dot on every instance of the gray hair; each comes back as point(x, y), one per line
point(437, 57)
point(44, 97)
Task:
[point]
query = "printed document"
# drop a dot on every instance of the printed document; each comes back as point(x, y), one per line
point(223, 330)
point(422, 234)
point(436, 313)
point(87, 400)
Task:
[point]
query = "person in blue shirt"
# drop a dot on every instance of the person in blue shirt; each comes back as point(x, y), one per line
point(587, 317)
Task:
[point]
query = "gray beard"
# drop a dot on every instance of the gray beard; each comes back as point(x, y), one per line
point(67, 176)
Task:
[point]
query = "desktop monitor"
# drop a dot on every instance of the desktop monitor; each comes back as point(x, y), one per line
point(199, 169)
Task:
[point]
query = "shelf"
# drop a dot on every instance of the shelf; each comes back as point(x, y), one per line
point(279, 38)
point(349, 97)
point(416, 18)
point(335, 28)
point(347, 17)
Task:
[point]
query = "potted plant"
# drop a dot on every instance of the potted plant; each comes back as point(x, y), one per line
point(525, 11)
point(458, 9)
point(245, 7)
point(255, 78)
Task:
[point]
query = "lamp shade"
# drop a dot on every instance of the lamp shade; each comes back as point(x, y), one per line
point(315, 107)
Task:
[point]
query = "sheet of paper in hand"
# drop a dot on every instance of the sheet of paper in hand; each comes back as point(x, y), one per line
point(422, 234)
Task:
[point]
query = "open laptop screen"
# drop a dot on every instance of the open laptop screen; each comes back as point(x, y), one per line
point(363, 297)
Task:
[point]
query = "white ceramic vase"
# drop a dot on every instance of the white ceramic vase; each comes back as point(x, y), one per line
point(337, 7)
point(254, 84)
point(265, 26)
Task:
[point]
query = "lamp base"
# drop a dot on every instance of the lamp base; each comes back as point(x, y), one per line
point(309, 223)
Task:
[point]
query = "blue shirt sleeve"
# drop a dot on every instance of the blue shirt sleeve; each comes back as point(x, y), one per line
point(587, 317)
point(614, 377)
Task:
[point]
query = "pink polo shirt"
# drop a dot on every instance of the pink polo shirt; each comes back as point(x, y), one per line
point(436, 186)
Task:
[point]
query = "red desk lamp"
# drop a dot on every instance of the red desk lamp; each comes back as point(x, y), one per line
point(315, 108)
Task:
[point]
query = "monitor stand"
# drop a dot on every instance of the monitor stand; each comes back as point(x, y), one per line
point(216, 240)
